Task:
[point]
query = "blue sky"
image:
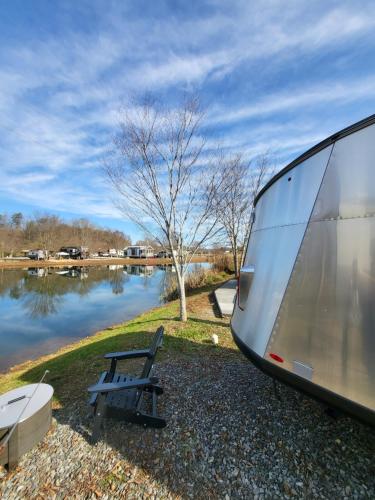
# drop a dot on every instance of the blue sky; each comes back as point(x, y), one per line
point(271, 75)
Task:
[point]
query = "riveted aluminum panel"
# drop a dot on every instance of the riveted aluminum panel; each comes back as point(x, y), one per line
point(355, 127)
point(280, 222)
point(349, 187)
point(291, 198)
point(327, 317)
point(272, 252)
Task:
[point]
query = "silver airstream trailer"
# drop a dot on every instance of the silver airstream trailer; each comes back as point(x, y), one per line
point(305, 308)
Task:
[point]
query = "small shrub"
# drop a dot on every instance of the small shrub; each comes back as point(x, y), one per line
point(196, 278)
point(223, 263)
point(170, 290)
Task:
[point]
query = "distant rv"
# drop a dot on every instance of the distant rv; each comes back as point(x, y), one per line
point(163, 254)
point(305, 304)
point(139, 252)
point(75, 252)
point(37, 255)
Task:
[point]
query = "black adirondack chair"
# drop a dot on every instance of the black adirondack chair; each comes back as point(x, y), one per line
point(122, 396)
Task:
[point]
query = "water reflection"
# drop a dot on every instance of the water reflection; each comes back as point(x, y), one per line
point(139, 270)
point(42, 309)
point(44, 288)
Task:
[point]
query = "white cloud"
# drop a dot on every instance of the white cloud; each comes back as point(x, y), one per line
point(24, 181)
point(321, 94)
point(38, 191)
point(59, 96)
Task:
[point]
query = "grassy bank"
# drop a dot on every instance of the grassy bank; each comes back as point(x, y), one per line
point(76, 366)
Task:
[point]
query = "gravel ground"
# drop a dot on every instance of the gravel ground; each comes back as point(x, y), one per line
point(228, 436)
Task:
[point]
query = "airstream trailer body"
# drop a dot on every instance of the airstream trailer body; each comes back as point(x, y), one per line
point(305, 308)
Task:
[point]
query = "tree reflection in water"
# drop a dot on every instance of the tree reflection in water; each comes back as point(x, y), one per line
point(44, 309)
point(42, 290)
point(117, 279)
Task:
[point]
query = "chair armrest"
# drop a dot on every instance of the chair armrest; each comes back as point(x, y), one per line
point(140, 353)
point(133, 384)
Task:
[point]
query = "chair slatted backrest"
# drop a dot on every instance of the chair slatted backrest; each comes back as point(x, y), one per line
point(156, 343)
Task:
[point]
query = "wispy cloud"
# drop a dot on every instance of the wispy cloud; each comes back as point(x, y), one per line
point(62, 84)
point(312, 96)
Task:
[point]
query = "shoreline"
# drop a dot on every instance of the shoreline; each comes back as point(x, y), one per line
point(97, 336)
point(72, 346)
point(17, 264)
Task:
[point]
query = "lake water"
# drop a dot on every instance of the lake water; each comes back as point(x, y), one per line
point(44, 309)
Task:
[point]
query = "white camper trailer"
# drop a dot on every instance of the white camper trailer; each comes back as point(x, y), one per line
point(305, 308)
point(139, 252)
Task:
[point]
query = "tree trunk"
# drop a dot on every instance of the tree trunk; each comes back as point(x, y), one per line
point(235, 256)
point(181, 286)
point(181, 291)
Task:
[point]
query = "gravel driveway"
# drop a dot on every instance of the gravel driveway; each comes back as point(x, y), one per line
point(228, 436)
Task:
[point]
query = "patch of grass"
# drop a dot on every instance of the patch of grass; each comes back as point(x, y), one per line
point(75, 367)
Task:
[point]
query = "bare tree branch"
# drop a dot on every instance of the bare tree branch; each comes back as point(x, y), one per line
point(234, 202)
point(163, 185)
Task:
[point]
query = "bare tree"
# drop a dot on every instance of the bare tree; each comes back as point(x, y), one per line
point(47, 232)
point(118, 240)
point(164, 186)
point(241, 183)
point(147, 241)
point(84, 230)
point(232, 203)
point(17, 220)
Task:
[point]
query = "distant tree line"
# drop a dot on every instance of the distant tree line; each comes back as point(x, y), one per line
point(49, 232)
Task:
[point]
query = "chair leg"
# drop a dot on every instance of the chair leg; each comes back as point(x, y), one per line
point(98, 418)
point(154, 388)
point(148, 420)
